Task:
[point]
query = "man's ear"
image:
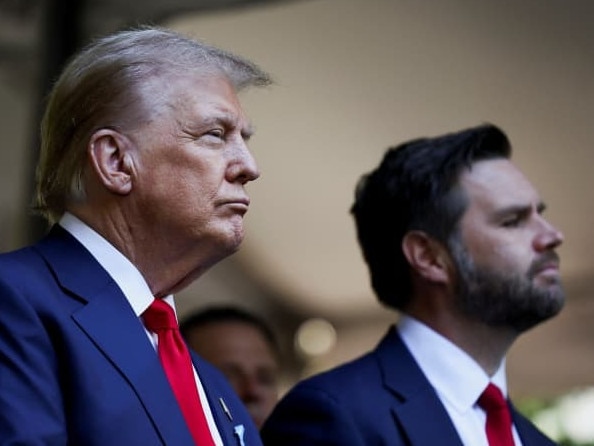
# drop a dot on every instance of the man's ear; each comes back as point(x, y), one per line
point(110, 157)
point(426, 256)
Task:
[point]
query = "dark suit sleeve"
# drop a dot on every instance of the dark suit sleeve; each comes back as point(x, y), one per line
point(529, 433)
point(310, 417)
point(31, 406)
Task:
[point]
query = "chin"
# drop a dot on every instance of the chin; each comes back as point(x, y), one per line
point(224, 239)
point(233, 239)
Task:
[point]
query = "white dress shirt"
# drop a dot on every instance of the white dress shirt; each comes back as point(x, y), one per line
point(455, 376)
point(134, 287)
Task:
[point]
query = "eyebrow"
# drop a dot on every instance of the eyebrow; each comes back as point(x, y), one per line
point(229, 120)
point(519, 209)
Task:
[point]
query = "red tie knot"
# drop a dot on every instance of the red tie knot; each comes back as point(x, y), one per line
point(492, 399)
point(159, 316)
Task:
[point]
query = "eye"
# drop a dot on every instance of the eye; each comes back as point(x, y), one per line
point(216, 133)
point(512, 222)
point(516, 219)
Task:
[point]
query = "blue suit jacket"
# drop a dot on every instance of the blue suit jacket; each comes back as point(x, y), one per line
point(382, 398)
point(76, 366)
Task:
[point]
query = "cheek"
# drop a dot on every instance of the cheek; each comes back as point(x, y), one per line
point(200, 176)
point(488, 250)
point(503, 257)
point(192, 186)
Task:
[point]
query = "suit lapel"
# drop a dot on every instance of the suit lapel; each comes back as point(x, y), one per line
point(222, 409)
point(218, 407)
point(109, 321)
point(417, 409)
point(116, 331)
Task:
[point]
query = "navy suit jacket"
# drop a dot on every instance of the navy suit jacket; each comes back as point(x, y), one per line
point(382, 398)
point(76, 366)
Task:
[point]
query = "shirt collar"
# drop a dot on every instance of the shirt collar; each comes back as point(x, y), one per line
point(455, 376)
point(121, 270)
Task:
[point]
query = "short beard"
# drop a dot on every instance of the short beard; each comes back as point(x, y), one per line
point(504, 300)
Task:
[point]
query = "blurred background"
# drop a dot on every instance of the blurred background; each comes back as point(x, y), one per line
point(354, 77)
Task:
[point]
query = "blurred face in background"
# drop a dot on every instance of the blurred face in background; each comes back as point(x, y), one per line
point(246, 358)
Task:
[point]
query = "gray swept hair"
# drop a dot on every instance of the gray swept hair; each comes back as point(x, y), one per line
point(102, 87)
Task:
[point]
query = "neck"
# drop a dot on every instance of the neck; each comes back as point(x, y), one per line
point(166, 264)
point(485, 344)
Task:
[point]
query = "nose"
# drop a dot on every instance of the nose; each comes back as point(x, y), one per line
point(251, 389)
point(243, 167)
point(548, 237)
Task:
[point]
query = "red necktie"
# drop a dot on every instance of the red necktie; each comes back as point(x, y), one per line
point(175, 358)
point(499, 425)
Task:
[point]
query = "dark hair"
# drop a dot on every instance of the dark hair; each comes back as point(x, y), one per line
point(213, 315)
point(415, 187)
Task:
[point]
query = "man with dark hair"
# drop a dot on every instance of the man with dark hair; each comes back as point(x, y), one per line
point(454, 238)
point(244, 348)
point(142, 174)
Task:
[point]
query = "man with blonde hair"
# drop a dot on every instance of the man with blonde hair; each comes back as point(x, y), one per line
point(142, 174)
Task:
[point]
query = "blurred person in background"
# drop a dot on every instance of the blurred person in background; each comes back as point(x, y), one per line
point(142, 175)
point(455, 239)
point(244, 348)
